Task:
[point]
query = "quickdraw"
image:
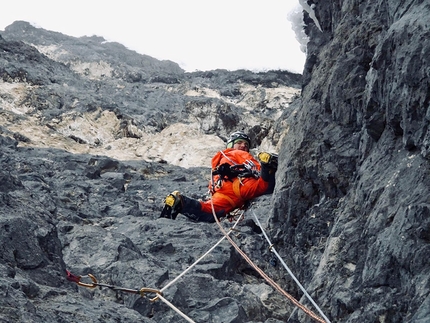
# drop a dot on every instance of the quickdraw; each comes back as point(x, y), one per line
point(237, 172)
point(94, 283)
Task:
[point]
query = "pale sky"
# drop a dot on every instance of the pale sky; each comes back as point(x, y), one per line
point(197, 34)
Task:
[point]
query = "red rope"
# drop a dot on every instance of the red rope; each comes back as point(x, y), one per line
point(263, 274)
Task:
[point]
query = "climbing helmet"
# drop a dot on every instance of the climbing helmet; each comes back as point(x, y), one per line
point(236, 136)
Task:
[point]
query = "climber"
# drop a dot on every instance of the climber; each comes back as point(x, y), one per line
point(237, 178)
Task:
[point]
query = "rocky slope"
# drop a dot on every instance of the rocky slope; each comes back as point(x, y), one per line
point(93, 136)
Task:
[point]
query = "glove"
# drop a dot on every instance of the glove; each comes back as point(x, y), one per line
point(224, 170)
point(268, 159)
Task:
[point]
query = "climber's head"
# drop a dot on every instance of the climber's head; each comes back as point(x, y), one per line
point(239, 140)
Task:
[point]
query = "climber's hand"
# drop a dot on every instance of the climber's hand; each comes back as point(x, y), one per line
point(268, 159)
point(225, 171)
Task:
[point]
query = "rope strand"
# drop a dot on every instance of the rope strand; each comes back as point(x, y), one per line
point(263, 274)
point(198, 260)
point(272, 248)
point(175, 308)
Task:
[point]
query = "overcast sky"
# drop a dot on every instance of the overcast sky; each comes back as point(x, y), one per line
point(197, 34)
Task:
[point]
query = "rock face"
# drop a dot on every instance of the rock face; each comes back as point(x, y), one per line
point(93, 136)
point(352, 203)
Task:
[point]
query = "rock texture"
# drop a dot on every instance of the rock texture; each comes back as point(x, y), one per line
point(351, 207)
point(93, 136)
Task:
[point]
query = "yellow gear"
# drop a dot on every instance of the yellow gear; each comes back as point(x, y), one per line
point(264, 157)
point(172, 198)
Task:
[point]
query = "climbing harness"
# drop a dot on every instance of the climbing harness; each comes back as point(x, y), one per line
point(246, 169)
point(272, 249)
point(263, 274)
point(236, 173)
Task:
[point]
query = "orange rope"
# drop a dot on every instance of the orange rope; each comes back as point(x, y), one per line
point(263, 274)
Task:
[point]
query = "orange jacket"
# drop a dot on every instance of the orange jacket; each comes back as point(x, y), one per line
point(233, 194)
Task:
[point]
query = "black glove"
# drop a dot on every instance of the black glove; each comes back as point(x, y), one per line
point(224, 171)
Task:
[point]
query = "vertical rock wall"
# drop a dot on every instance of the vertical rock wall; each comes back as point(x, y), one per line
point(352, 202)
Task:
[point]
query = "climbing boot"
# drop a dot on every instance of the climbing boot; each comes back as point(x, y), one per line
point(172, 206)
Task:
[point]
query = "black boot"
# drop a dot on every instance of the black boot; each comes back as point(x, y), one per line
point(172, 205)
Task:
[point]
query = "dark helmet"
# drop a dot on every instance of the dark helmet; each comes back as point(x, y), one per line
point(236, 136)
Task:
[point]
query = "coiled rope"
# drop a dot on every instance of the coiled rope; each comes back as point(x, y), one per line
point(272, 249)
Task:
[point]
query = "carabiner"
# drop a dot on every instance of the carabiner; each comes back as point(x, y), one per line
point(77, 279)
point(94, 284)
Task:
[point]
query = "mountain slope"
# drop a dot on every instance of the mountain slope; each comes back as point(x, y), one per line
point(350, 212)
point(88, 155)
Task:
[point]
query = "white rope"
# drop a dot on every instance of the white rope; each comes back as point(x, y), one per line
point(188, 269)
point(194, 264)
point(289, 271)
point(175, 308)
point(198, 260)
point(231, 161)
